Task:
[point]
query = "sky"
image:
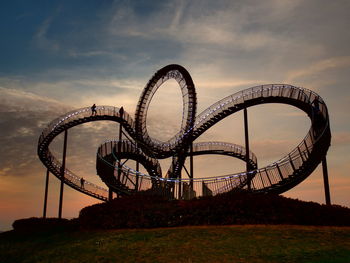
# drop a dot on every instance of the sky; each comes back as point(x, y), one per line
point(56, 56)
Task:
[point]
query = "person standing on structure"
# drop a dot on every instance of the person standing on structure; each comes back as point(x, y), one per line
point(316, 104)
point(316, 116)
point(93, 110)
point(121, 112)
point(82, 182)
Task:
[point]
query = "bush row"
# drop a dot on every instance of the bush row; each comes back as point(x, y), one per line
point(145, 211)
point(35, 224)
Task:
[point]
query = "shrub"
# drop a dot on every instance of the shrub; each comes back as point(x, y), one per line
point(147, 211)
point(35, 224)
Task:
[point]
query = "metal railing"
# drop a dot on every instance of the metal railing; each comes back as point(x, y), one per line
point(266, 178)
point(74, 180)
point(66, 121)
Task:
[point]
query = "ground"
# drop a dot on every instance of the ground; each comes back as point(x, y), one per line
point(242, 243)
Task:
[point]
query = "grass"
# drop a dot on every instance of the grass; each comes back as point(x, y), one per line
point(244, 243)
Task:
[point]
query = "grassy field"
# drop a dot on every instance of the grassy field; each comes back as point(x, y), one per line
point(250, 243)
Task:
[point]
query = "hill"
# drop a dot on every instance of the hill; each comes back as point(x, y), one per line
point(145, 211)
point(248, 243)
point(276, 229)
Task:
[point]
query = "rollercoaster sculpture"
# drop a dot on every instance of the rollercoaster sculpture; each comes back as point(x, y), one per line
point(277, 177)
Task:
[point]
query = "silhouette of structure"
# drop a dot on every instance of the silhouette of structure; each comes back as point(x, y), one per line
point(278, 177)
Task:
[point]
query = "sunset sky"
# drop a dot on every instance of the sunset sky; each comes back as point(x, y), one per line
point(56, 56)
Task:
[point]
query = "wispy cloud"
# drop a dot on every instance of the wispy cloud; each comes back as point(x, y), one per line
point(319, 67)
point(225, 27)
point(16, 100)
point(41, 38)
point(23, 116)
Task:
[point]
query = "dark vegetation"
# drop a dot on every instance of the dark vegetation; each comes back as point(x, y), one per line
point(86, 239)
point(145, 211)
point(35, 224)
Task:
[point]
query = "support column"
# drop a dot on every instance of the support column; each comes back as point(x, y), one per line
point(180, 183)
point(191, 166)
point(137, 176)
point(179, 189)
point(120, 149)
point(46, 192)
point(325, 180)
point(110, 194)
point(246, 135)
point(63, 168)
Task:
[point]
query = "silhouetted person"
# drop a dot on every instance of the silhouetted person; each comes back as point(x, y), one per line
point(82, 182)
point(121, 111)
point(93, 110)
point(317, 116)
point(316, 104)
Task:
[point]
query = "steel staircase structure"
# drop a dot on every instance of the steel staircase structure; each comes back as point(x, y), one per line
point(277, 177)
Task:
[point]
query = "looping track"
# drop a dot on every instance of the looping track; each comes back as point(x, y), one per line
point(278, 177)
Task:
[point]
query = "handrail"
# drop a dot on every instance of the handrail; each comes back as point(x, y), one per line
point(264, 90)
point(278, 176)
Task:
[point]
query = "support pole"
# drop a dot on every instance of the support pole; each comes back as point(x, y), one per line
point(191, 166)
point(46, 192)
point(179, 189)
point(180, 183)
point(63, 168)
point(120, 149)
point(137, 176)
point(246, 135)
point(325, 180)
point(110, 194)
